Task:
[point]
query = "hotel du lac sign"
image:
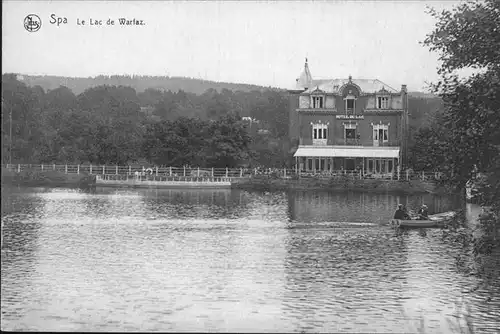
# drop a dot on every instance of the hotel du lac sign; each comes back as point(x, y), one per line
point(350, 116)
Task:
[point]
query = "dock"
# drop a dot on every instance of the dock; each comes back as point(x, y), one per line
point(162, 182)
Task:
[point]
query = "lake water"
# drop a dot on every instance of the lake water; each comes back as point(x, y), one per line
point(227, 260)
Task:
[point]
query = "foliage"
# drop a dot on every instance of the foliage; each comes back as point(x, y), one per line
point(427, 151)
point(464, 38)
point(185, 141)
point(115, 125)
point(20, 104)
point(427, 140)
point(468, 37)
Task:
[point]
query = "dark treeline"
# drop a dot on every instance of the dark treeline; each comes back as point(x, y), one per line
point(117, 125)
point(424, 114)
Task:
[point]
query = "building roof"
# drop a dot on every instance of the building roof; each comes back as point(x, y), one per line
point(369, 86)
point(347, 152)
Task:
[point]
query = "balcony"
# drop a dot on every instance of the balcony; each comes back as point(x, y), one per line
point(382, 111)
point(352, 142)
point(319, 142)
point(365, 143)
point(317, 110)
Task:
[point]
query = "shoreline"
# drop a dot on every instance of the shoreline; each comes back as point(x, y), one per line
point(34, 178)
point(84, 180)
point(363, 185)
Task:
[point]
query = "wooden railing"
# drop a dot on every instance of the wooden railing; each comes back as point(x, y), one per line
point(134, 170)
point(227, 173)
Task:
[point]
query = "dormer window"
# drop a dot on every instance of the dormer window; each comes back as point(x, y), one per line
point(382, 102)
point(317, 102)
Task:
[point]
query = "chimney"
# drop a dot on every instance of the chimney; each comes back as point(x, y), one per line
point(404, 128)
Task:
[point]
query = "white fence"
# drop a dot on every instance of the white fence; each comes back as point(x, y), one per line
point(198, 172)
point(134, 170)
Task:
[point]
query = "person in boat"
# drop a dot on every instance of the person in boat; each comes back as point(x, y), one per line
point(423, 213)
point(401, 213)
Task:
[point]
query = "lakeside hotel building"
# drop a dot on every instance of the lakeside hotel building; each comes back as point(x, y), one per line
point(348, 124)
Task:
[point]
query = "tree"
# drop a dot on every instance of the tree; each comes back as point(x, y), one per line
point(468, 37)
point(228, 144)
point(61, 99)
point(427, 151)
point(21, 113)
point(114, 124)
point(191, 141)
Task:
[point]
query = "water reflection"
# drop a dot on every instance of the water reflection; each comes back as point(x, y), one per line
point(225, 260)
point(344, 279)
point(314, 207)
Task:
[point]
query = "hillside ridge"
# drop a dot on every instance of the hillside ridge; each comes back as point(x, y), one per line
point(139, 83)
point(142, 82)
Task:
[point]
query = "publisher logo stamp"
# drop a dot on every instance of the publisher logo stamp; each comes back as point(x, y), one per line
point(32, 23)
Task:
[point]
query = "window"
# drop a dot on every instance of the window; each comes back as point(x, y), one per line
point(319, 134)
point(350, 104)
point(320, 131)
point(381, 133)
point(317, 102)
point(383, 102)
point(350, 133)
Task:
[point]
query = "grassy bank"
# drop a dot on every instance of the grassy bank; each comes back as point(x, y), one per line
point(373, 185)
point(31, 177)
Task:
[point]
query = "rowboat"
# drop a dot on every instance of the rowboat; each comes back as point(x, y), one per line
point(436, 220)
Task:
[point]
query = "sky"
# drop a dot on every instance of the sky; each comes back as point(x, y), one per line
point(254, 42)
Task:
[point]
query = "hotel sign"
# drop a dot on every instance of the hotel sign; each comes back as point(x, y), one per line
point(350, 117)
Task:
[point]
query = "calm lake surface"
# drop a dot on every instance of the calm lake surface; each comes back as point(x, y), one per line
point(227, 260)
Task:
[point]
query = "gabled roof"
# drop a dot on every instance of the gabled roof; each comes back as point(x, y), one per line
point(316, 91)
point(369, 86)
